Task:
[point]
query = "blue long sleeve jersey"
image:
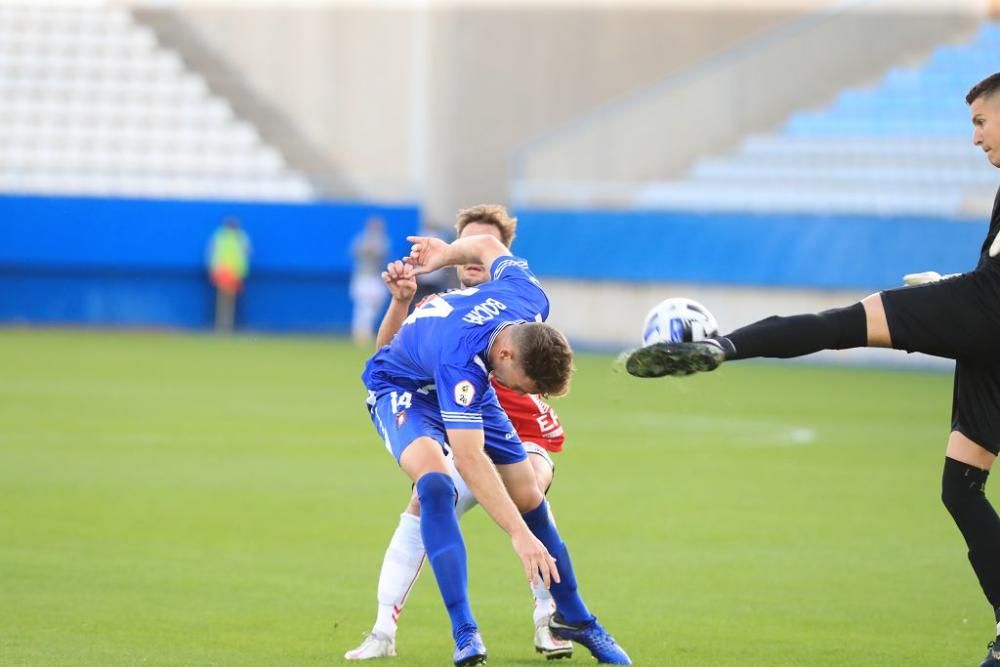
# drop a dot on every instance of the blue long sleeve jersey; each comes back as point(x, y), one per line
point(443, 345)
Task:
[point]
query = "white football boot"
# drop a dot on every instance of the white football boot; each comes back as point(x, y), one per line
point(375, 645)
point(549, 646)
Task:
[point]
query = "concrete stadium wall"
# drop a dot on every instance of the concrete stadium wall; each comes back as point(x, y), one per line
point(114, 262)
point(708, 109)
point(429, 101)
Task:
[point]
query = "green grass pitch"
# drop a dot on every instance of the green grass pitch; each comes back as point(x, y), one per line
point(190, 500)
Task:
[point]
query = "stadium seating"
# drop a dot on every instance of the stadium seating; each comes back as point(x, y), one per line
point(902, 146)
point(90, 104)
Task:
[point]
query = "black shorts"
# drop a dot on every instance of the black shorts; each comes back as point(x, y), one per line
point(975, 404)
point(957, 318)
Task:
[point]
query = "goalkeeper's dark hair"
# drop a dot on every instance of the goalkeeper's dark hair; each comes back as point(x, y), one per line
point(984, 88)
point(545, 355)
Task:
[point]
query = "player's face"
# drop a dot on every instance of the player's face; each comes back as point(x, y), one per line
point(471, 275)
point(986, 121)
point(510, 374)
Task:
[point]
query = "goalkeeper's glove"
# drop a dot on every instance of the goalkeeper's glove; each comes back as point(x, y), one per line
point(925, 277)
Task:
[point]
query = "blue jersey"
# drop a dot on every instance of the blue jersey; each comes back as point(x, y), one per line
point(443, 345)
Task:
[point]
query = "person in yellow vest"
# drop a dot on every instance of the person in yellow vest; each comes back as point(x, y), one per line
point(228, 265)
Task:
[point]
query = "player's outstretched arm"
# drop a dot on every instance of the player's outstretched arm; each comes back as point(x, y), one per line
point(429, 254)
point(402, 284)
point(481, 476)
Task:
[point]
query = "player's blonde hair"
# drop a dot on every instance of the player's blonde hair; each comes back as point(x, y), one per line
point(489, 214)
point(545, 356)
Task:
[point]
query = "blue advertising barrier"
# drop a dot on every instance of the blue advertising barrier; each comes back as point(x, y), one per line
point(74, 260)
point(805, 251)
point(142, 262)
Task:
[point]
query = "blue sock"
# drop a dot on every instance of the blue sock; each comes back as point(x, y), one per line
point(568, 601)
point(445, 548)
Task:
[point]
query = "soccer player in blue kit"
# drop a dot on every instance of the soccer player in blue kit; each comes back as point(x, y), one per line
point(430, 389)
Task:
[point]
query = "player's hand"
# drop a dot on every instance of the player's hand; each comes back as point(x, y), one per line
point(926, 277)
point(427, 254)
point(921, 278)
point(538, 562)
point(399, 278)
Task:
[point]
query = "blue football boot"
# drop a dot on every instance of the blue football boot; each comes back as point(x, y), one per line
point(597, 640)
point(470, 649)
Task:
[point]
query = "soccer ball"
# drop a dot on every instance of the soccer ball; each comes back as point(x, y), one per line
point(676, 320)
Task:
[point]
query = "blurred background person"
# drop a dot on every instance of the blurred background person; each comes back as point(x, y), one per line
point(228, 266)
point(370, 250)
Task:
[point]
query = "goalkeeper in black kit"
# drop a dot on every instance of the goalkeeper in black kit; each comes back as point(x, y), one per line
point(956, 317)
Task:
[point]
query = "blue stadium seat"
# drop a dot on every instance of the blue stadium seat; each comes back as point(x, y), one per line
point(900, 146)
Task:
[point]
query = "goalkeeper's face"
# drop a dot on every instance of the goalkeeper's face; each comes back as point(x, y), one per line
point(471, 275)
point(985, 112)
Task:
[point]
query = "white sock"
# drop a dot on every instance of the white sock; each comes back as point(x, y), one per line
point(545, 606)
point(998, 629)
point(400, 568)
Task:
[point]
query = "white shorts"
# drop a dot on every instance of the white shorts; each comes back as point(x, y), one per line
point(533, 448)
point(466, 501)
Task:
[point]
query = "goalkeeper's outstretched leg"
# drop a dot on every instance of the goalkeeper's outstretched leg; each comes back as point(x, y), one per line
point(956, 317)
point(862, 324)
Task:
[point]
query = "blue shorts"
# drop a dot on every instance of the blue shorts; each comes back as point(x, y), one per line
point(401, 416)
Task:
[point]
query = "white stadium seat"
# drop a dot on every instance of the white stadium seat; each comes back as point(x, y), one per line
point(91, 104)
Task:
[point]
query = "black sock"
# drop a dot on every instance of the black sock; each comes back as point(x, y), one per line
point(963, 490)
point(784, 337)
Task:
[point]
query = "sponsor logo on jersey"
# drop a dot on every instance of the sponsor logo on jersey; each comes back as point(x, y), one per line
point(400, 418)
point(464, 393)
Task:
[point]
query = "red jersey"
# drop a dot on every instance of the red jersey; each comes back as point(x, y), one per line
point(534, 419)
